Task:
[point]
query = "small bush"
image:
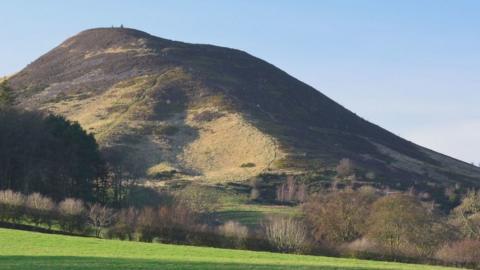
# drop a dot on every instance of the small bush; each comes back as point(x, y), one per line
point(248, 165)
point(167, 130)
point(207, 116)
point(235, 231)
point(360, 248)
point(254, 194)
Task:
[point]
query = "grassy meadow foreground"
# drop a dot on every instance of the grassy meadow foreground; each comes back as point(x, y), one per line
point(27, 250)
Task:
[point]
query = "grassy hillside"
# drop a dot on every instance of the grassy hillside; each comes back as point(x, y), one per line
point(168, 110)
point(27, 250)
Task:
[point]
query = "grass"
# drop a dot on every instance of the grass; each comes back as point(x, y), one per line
point(238, 207)
point(27, 250)
point(254, 214)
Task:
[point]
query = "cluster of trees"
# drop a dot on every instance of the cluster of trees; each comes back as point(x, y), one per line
point(173, 221)
point(178, 224)
point(291, 191)
point(53, 156)
point(368, 223)
point(49, 155)
point(395, 226)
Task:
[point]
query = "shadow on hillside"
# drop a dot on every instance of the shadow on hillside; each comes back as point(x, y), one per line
point(95, 263)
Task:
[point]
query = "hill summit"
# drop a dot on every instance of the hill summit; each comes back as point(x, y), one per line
point(162, 108)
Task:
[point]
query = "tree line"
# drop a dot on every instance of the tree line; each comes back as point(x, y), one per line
point(363, 223)
point(50, 155)
point(366, 223)
point(53, 156)
point(173, 221)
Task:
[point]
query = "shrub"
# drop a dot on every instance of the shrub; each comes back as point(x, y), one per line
point(286, 234)
point(463, 253)
point(39, 209)
point(207, 116)
point(360, 248)
point(11, 205)
point(338, 217)
point(235, 231)
point(167, 130)
point(72, 215)
point(248, 165)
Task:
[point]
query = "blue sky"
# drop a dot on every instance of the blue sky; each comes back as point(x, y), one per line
point(412, 67)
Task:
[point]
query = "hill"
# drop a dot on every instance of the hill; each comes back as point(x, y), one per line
point(26, 250)
point(167, 109)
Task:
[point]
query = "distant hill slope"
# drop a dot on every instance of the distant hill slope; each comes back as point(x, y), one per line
point(159, 106)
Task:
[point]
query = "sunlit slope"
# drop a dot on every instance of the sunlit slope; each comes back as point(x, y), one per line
point(205, 112)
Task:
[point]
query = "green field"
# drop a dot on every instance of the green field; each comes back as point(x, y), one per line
point(254, 214)
point(27, 250)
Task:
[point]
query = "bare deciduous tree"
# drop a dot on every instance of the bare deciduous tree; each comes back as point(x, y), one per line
point(291, 191)
point(99, 217)
point(286, 234)
point(339, 216)
point(71, 214)
point(345, 168)
point(39, 208)
point(126, 224)
point(302, 193)
point(11, 204)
